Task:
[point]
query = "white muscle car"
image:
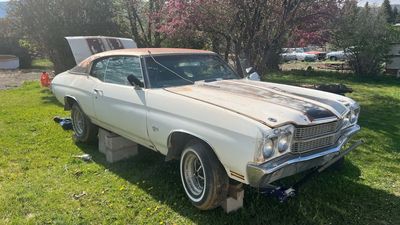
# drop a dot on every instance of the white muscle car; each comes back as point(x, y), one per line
point(190, 105)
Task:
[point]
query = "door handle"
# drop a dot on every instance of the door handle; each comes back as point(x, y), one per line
point(98, 91)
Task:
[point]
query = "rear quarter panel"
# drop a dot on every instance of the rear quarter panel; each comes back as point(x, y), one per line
point(78, 86)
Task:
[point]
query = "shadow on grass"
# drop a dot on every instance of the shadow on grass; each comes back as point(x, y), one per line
point(48, 98)
point(330, 198)
point(382, 115)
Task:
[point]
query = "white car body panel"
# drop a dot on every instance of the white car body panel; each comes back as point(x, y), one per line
point(219, 128)
point(122, 108)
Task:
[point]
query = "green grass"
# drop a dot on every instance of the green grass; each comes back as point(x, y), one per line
point(44, 64)
point(39, 176)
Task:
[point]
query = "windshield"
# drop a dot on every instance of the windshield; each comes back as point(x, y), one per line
point(188, 67)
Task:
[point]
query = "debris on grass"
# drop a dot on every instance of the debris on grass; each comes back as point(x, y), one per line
point(84, 157)
point(78, 196)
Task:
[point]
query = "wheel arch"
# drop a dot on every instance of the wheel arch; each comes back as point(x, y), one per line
point(177, 140)
point(69, 101)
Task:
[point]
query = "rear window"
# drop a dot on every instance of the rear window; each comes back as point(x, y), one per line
point(82, 67)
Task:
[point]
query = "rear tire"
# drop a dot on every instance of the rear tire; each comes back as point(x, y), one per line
point(333, 58)
point(203, 177)
point(84, 130)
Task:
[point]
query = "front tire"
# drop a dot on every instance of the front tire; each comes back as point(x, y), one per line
point(84, 130)
point(203, 177)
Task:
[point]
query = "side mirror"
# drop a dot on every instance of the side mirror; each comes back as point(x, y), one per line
point(252, 74)
point(135, 82)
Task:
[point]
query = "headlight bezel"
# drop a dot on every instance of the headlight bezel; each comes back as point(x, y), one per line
point(284, 141)
point(273, 137)
point(351, 117)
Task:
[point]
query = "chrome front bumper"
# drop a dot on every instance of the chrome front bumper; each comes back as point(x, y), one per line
point(260, 175)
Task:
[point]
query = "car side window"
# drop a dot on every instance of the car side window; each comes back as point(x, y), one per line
point(99, 69)
point(119, 68)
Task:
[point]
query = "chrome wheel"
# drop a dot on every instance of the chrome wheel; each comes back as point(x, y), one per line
point(193, 175)
point(78, 122)
point(84, 130)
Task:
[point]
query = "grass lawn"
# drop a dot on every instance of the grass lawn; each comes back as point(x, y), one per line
point(39, 176)
point(44, 64)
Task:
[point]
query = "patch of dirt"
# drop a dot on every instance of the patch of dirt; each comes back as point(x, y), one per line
point(15, 78)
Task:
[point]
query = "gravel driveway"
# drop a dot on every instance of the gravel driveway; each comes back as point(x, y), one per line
point(15, 78)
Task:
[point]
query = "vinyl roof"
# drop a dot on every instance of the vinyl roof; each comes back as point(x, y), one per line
point(154, 51)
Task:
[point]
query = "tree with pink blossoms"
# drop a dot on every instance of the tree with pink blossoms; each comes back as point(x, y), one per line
point(250, 29)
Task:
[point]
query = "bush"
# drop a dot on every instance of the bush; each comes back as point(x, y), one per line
point(365, 35)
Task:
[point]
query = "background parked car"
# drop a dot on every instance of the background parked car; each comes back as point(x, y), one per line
point(337, 55)
point(286, 57)
point(320, 55)
point(302, 56)
point(297, 54)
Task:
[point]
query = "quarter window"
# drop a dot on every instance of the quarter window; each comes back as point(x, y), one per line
point(119, 68)
point(99, 69)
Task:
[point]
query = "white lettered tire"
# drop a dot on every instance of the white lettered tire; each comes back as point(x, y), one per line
point(203, 177)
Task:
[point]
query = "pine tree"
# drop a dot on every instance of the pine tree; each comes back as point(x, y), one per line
point(395, 15)
point(387, 10)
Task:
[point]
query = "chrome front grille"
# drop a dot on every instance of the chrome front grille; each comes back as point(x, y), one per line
point(315, 137)
point(315, 144)
point(302, 133)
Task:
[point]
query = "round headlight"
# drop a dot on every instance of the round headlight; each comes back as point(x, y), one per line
point(353, 116)
point(283, 143)
point(268, 149)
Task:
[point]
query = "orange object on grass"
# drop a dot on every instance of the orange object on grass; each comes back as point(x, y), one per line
point(45, 79)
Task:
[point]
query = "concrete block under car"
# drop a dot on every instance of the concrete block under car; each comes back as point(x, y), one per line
point(115, 147)
point(234, 201)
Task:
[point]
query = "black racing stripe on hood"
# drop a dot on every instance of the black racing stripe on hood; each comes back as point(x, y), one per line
point(341, 109)
point(318, 113)
point(312, 112)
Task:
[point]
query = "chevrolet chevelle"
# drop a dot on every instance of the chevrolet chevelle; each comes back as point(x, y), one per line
point(190, 105)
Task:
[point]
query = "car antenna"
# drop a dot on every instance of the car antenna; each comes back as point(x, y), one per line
point(175, 73)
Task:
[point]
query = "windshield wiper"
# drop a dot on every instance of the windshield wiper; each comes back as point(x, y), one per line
point(170, 70)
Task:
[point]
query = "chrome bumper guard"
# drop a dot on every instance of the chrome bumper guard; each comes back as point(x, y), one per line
point(261, 175)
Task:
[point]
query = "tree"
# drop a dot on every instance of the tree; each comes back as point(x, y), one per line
point(395, 15)
point(141, 18)
point(47, 22)
point(386, 9)
point(250, 29)
point(10, 44)
point(365, 36)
